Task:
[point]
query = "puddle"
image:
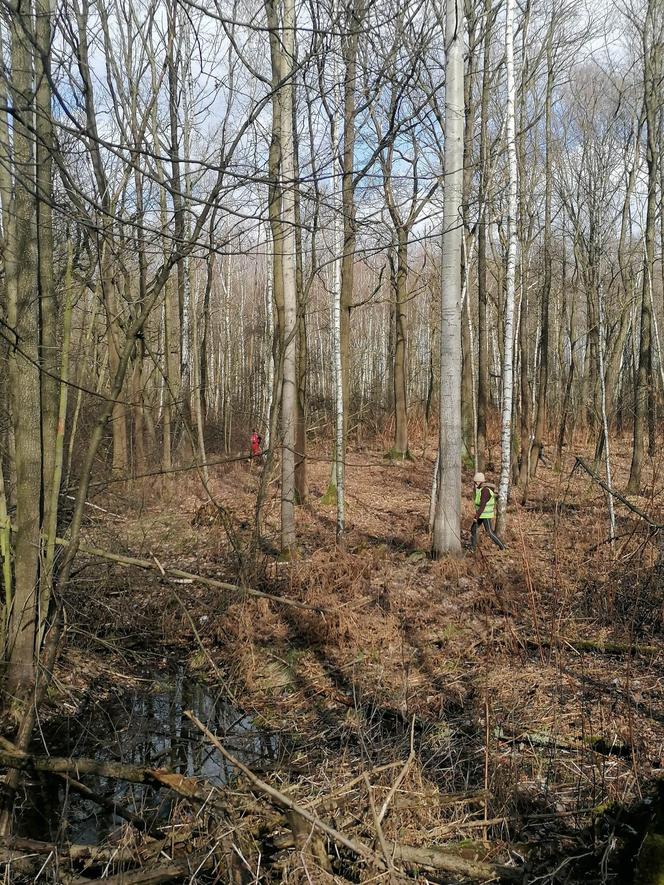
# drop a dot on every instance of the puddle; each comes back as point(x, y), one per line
point(146, 726)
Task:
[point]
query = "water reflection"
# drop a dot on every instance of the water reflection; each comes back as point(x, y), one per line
point(147, 727)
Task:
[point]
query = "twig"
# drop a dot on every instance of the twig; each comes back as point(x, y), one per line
point(581, 463)
point(97, 507)
point(379, 830)
point(402, 774)
point(343, 791)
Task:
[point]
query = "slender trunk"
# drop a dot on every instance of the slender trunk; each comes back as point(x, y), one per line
point(301, 348)
point(269, 352)
point(48, 312)
point(275, 217)
point(605, 423)
point(356, 12)
point(337, 238)
point(400, 393)
point(289, 381)
point(524, 412)
point(644, 378)
point(508, 350)
point(51, 513)
point(543, 379)
point(174, 58)
point(483, 392)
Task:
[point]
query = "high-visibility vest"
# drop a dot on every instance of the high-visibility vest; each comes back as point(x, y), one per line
point(490, 507)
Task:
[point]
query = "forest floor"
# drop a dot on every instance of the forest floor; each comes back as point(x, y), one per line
point(518, 696)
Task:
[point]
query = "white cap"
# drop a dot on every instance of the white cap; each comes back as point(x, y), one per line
point(479, 478)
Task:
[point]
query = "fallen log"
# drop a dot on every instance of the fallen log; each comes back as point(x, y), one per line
point(599, 646)
point(18, 847)
point(548, 741)
point(446, 860)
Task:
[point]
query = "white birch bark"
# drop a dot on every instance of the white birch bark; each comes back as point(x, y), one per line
point(269, 351)
point(289, 384)
point(508, 358)
point(447, 523)
point(338, 248)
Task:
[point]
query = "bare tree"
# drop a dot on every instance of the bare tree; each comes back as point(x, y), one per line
point(447, 522)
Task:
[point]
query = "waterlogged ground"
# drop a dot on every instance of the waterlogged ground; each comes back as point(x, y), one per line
point(141, 723)
point(528, 683)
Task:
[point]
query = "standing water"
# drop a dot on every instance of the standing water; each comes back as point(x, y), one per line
point(143, 726)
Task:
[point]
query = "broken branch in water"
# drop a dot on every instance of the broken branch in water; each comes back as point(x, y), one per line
point(103, 802)
point(187, 787)
point(284, 801)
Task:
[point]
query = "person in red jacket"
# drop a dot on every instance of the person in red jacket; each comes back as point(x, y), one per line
point(256, 444)
point(485, 510)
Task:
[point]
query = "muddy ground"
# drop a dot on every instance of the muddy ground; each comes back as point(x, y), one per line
point(526, 685)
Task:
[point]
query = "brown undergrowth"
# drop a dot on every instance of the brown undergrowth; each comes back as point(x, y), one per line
point(528, 683)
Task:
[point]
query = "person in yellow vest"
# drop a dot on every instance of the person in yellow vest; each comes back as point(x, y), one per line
point(485, 510)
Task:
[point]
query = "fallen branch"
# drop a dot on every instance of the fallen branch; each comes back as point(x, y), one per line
point(547, 741)
point(581, 463)
point(190, 576)
point(186, 787)
point(600, 646)
point(434, 857)
point(284, 801)
point(166, 872)
point(103, 802)
point(437, 858)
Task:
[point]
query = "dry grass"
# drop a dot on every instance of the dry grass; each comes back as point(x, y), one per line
point(476, 651)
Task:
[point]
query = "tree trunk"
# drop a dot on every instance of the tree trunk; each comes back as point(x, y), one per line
point(301, 348)
point(24, 378)
point(48, 311)
point(356, 11)
point(289, 381)
point(447, 522)
point(652, 64)
point(400, 392)
point(508, 350)
point(543, 379)
point(524, 411)
point(482, 277)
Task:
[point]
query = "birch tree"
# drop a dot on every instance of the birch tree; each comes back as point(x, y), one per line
point(511, 224)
